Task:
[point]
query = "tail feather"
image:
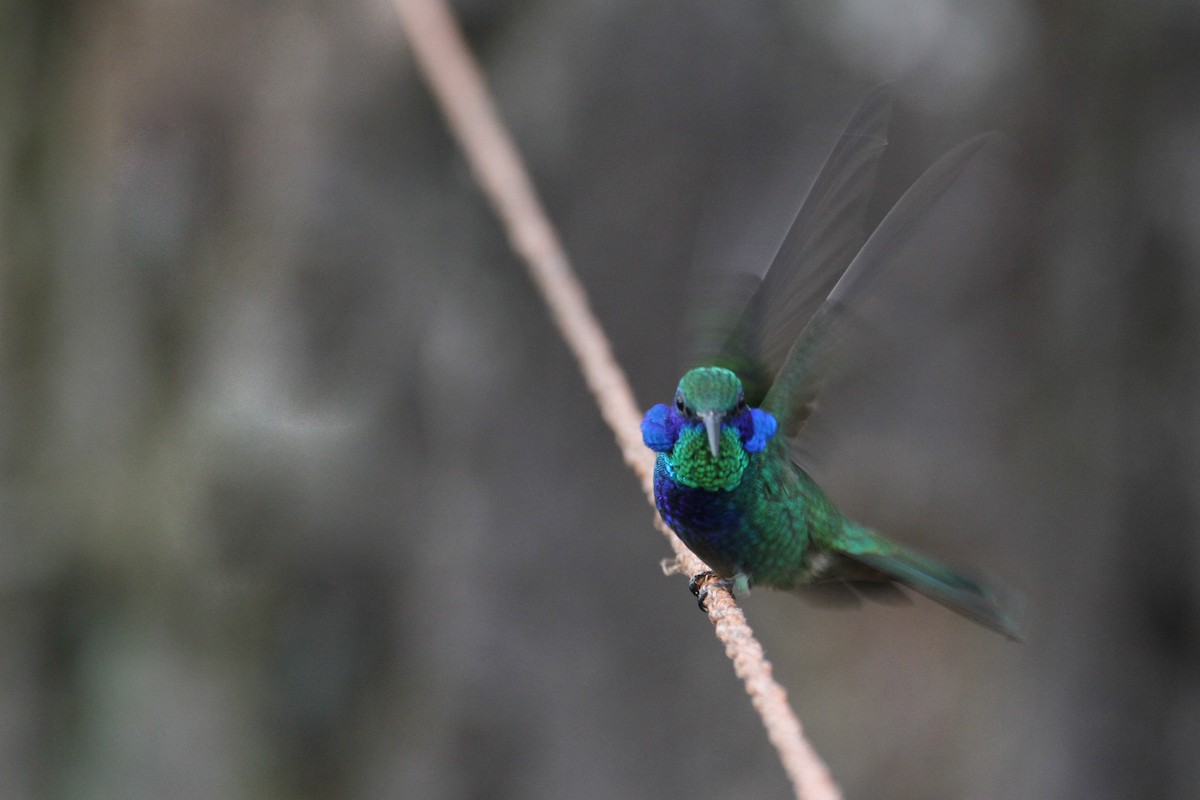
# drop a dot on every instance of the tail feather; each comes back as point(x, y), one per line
point(974, 598)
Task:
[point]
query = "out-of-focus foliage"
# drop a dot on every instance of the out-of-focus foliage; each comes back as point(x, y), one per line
point(302, 497)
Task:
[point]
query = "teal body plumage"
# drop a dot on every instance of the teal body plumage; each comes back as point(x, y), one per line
point(724, 479)
point(755, 522)
point(756, 517)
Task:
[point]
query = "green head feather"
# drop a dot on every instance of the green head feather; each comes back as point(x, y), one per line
point(706, 396)
point(709, 389)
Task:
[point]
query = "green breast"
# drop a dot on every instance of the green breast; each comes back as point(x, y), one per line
point(694, 466)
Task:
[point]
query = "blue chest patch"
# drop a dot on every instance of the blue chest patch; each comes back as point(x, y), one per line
point(708, 522)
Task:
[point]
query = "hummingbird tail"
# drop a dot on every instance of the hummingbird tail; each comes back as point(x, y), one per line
point(990, 606)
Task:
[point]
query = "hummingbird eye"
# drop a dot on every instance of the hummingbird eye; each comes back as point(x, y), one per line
point(680, 405)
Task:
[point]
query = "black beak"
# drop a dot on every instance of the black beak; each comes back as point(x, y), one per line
point(712, 424)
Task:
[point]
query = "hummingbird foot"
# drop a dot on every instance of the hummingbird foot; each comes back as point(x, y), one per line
point(701, 583)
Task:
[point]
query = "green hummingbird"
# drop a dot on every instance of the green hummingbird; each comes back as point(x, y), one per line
point(725, 479)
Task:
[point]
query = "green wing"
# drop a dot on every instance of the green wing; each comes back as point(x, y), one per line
point(828, 231)
point(791, 396)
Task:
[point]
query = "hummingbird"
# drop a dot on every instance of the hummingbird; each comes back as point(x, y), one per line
point(725, 477)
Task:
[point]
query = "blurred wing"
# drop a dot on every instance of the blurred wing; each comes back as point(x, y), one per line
point(994, 607)
point(791, 396)
point(827, 232)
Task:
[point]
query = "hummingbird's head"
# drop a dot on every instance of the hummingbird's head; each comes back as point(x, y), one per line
point(710, 396)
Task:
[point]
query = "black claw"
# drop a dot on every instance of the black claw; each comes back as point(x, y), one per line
point(700, 584)
point(695, 584)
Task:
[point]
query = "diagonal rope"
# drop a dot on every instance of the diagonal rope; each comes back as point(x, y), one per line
point(458, 86)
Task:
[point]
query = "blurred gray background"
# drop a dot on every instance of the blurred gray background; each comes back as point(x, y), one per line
point(302, 496)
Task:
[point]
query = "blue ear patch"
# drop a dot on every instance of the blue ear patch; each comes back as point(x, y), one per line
point(763, 427)
point(660, 428)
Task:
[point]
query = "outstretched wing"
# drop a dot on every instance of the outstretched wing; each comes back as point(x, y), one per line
point(798, 381)
point(828, 231)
